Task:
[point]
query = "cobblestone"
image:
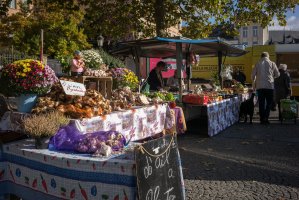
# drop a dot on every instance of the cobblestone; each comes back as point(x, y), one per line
point(243, 162)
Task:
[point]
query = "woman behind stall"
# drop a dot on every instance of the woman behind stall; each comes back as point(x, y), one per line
point(155, 79)
point(77, 64)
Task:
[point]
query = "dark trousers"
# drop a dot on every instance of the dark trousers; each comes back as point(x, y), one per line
point(265, 97)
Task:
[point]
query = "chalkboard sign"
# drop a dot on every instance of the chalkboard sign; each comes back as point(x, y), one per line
point(159, 172)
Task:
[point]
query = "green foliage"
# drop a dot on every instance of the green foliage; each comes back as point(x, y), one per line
point(165, 96)
point(110, 60)
point(118, 19)
point(65, 62)
point(59, 21)
point(215, 78)
point(63, 21)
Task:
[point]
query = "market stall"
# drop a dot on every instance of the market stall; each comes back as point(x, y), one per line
point(89, 152)
point(136, 123)
point(43, 174)
point(215, 111)
point(215, 117)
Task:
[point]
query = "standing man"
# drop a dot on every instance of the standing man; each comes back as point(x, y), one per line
point(264, 73)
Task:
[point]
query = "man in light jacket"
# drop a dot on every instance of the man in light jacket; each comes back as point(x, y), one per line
point(264, 73)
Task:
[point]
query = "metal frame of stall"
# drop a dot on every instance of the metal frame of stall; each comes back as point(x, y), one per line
point(176, 47)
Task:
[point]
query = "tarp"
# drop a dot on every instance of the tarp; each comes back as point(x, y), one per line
point(159, 47)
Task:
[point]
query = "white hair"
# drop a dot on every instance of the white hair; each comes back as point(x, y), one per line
point(283, 67)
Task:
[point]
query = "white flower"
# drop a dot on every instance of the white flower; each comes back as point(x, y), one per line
point(92, 58)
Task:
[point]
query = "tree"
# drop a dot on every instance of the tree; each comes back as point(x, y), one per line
point(131, 19)
point(119, 18)
point(60, 22)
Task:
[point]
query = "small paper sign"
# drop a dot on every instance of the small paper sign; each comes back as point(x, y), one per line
point(73, 88)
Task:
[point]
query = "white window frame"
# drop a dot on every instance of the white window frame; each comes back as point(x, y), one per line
point(245, 32)
point(255, 31)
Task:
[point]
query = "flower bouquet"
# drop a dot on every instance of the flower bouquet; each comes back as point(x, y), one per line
point(92, 59)
point(27, 78)
point(123, 77)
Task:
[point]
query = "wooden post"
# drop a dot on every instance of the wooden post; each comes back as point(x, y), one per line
point(42, 45)
point(219, 67)
point(179, 64)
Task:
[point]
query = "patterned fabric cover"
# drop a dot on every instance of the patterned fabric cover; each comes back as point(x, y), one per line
point(55, 175)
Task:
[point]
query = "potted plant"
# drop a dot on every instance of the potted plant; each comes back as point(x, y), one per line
point(26, 79)
point(123, 77)
point(92, 58)
point(41, 127)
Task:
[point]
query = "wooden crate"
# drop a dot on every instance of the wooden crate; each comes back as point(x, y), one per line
point(102, 84)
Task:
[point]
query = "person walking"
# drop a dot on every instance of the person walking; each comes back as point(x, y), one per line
point(282, 86)
point(264, 73)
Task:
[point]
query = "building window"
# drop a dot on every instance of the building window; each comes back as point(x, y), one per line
point(245, 32)
point(254, 43)
point(254, 31)
point(245, 44)
point(13, 4)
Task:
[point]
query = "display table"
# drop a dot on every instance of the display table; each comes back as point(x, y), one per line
point(216, 117)
point(135, 124)
point(42, 174)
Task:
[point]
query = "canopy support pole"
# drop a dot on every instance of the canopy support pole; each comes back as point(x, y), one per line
point(219, 67)
point(137, 62)
point(179, 62)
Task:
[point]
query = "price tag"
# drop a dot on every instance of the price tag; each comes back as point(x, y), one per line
point(73, 88)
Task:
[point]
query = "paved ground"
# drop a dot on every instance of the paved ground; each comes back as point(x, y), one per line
point(243, 162)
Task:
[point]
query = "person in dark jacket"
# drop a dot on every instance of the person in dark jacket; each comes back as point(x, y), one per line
point(282, 86)
point(155, 79)
point(239, 76)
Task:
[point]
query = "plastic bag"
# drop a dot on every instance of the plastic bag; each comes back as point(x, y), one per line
point(68, 138)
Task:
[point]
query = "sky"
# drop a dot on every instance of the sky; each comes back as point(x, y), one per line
point(292, 21)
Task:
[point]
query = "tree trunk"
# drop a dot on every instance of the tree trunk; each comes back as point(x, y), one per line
point(160, 18)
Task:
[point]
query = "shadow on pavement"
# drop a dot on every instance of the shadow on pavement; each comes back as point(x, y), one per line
point(243, 152)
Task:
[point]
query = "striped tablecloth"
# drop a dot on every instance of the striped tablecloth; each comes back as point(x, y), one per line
point(42, 174)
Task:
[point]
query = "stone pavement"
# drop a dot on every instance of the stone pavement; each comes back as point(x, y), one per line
point(243, 162)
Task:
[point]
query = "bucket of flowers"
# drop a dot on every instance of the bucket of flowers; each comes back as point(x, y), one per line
point(26, 79)
point(123, 77)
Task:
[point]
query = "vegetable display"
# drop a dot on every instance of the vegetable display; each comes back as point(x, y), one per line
point(90, 105)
